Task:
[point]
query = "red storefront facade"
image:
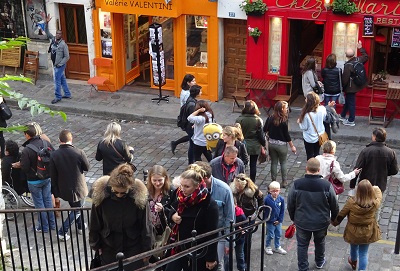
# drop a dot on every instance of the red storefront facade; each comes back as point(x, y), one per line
point(293, 30)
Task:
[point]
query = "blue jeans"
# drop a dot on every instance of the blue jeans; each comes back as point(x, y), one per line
point(273, 232)
point(41, 196)
point(278, 153)
point(303, 241)
point(239, 252)
point(349, 106)
point(327, 99)
point(72, 216)
point(60, 81)
point(360, 252)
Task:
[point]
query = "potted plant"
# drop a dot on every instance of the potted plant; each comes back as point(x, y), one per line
point(254, 32)
point(345, 7)
point(253, 7)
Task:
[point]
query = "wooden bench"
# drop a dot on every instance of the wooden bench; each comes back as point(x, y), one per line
point(10, 57)
point(31, 65)
point(98, 80)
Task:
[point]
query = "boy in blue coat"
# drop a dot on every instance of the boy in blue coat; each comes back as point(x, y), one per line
point(274, 224)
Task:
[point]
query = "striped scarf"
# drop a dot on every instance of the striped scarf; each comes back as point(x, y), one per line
point(196, 197)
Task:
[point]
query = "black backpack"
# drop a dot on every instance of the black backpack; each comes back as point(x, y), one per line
point(359, 75)
point(183, 115)
point(43, 159)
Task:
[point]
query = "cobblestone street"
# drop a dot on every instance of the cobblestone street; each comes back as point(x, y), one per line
point(152, 146)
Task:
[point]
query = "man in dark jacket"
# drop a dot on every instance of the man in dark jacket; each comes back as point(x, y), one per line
point(67, 165)
point(349, 87)
point(377, 161)
point(312, 205)
point(227, 166)
point(40, 188)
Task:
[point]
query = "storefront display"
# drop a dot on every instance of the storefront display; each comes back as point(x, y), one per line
point(105, 33)
point(196, 41)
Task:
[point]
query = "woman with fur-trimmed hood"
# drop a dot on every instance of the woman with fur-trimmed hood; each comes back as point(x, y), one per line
point(120, 217)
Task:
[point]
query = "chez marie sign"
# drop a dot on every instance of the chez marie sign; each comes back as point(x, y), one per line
point(147, 7)
point(366, 7)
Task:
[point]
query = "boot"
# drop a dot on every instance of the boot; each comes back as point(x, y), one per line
point(353, 264)
point(57, 204)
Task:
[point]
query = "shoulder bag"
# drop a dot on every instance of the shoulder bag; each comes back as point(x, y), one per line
point(96, 261)
point(134, 168)
point(321, 138)
point(342, 100)
point(162, 240)
point(5, 111)
point(337, 185)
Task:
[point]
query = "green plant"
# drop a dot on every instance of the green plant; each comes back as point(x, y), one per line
point(345, 6)
point(249, 6)
point(254, 32)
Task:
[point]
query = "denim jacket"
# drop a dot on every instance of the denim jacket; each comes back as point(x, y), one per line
point(278, 208)
point(222, 194)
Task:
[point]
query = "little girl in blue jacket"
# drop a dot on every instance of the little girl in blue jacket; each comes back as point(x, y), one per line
point(274, 224)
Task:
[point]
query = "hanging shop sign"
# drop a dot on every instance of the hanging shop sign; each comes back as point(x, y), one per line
point(368, 26)
point(396, 37)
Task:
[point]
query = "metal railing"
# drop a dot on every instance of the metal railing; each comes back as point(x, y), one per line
point(28, 249)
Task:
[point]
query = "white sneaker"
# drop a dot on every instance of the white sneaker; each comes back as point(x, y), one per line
point(341, 118)
point(64, 237)
point(80, 231)
point(349, 123)
point(280, 250)
point(268, 250)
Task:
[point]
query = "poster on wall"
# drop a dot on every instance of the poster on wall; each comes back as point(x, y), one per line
point(396, 37)
point(35, 19)
point(105, 34)
point(368, 27)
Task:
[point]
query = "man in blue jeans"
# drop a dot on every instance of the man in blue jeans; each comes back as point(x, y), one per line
point(40, 188)
point(312, 205)
point(59, 56)
point(67, 165)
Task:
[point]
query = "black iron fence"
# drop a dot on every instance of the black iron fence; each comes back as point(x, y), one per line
point(27, 249)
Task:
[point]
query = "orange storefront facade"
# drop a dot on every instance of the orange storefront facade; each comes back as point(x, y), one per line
point(190, 43)
point(293, 30)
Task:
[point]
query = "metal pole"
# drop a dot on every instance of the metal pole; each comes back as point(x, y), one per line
point(231, 229)
point(194, 254)
point(397, 245)
point(120, 256)
point(262, 244)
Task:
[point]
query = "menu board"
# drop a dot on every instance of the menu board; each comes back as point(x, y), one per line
point(368, 29)
point(396, 37)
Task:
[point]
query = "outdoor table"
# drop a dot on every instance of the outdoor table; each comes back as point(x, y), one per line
point(393, 95)
point(264, 85)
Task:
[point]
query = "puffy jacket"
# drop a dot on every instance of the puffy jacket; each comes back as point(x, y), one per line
point(312, 203)
point(348, 85)
point(331, 79)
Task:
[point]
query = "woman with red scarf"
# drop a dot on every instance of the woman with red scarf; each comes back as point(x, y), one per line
point(193, 210)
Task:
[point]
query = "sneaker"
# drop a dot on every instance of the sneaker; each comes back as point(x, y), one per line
point(39, 230)
point(66, 97)
point(280, 250)
point(320, 266)
point(341, 118)
point(80, 231)
point(55, 101)
point(349, 123)
point(268, 250)
point(64, 237)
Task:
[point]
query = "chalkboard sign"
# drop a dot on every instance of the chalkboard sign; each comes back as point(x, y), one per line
point(368, 30)
point(396, 37)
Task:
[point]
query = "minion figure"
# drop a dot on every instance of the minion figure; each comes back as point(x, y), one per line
point(212, 132)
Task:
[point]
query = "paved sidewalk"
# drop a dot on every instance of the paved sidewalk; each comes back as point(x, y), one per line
point(134, 103)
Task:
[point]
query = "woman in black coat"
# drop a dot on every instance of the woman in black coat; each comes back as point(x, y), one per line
point(193, 210)
point(331, 76)
point(12, 175)
point(112, 150)
point(5, 114)
point(232, 136)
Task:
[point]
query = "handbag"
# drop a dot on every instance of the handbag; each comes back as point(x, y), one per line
point(342, 100)
point(289, 233)
point(96, 261)
point(338, 186)
point(263, 156)
point(322, 138)
point(5, 111)
point(319, 87)
point(161, 240)
point(134, 168)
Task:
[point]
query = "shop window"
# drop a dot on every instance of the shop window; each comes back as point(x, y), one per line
point(275, 44)
point(196, 41)
point(75, 26)
point(168, 43)
point(105, 32)
point(130, 41)
point(345, 35)
point(386, 57)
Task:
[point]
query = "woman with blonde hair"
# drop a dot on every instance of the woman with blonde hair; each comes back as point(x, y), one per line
point(250, 122)
point(112, 150)
point(362, 229)
point(277, 129)
point(231, 137)
point(193, 210)
point(119, 220)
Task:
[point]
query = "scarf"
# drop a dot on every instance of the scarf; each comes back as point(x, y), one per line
point(227, 170)
point(196, 197)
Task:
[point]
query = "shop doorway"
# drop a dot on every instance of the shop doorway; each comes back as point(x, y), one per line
point(305, 40)
point(73, 25)
point(234, 53)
